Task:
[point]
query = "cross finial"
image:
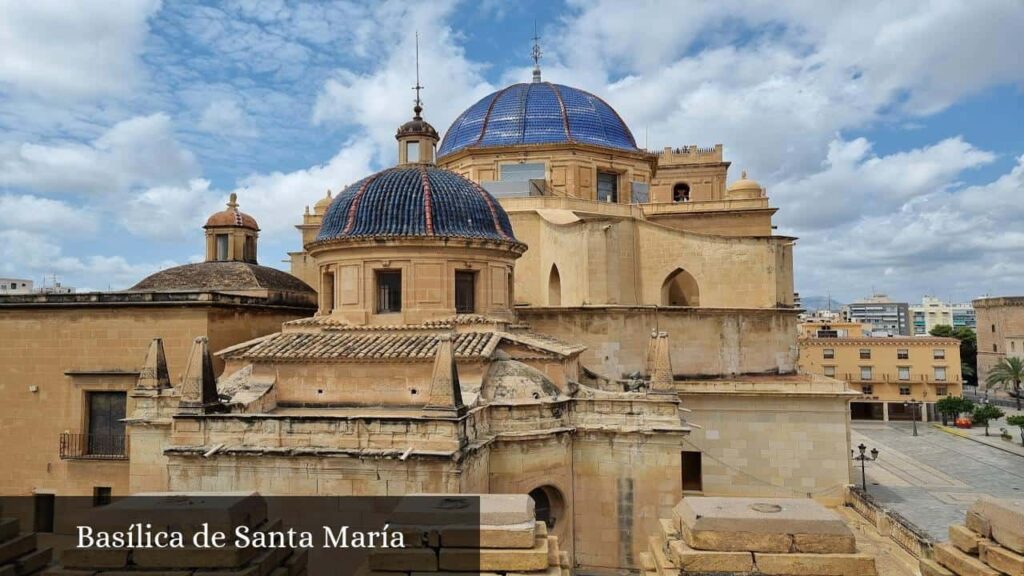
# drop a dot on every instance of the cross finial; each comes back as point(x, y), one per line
point(419, 103)
point(536, 53)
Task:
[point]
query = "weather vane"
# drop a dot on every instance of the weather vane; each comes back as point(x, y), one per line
point(536, 53)
point(419, 103)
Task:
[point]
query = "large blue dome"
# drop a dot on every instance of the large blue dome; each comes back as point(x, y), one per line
point(538, 113)
point(418, 200)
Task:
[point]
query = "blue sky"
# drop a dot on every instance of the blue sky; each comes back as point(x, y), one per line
point(888, 134)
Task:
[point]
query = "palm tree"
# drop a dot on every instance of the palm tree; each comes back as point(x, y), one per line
point(1007, 373)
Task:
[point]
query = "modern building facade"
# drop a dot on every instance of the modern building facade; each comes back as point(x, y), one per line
point(882, 315)
point(15, 286)
point(895, 377)
point(934, 312)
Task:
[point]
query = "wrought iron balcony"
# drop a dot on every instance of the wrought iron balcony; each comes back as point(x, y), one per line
point(93, 446)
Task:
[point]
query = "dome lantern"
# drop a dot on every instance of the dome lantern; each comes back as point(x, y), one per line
point(231, 235)
point(417, 139)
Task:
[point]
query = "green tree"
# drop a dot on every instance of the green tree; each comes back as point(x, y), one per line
point(1007, 373)
point(968, 349)
point(985, 413)
point(1017, 421)
point(951, 407)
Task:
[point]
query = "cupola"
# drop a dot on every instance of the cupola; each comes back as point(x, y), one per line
point(231, 235)
point(744, 188)
point(417, 139)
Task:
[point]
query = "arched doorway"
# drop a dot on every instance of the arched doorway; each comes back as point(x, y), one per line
point(681, 192)
point(549, 505)
point(554, 287)
point(680, 289)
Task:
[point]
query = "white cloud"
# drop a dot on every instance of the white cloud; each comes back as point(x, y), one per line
point(66, 50)
point(43, 215)
point(226, 118)
point(140, 151)
point(169, 212)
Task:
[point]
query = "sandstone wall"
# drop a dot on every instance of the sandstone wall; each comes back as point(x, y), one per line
point(998, 319)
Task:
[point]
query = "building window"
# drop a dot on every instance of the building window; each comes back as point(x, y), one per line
point(904, 390)
point(43, 505)
point(904, 372)
point(830, 371)
point(522, 172)
point(867, 389)
point(250, 249)
point(939, 353)
point(412, 151)
point(941, 391)
point(389, 291)
point(549, 505)
point(607, 187)
point(993, 328)
point(681, 192)
point(865, 372)
point(100, 495)
point(465, 291)
point(902, 354)
point(995, 348)
point(940, 373)
point(693, 478)
point(828, 353)
point(222, 247)
point(865, 353)
point(105, 423)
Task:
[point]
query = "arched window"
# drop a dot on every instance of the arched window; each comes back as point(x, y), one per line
point(549, 505)
point(680, 289)
point(554, 287)
point(681, 192)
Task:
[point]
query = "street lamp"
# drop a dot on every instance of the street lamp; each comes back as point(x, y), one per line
point(913, 406)
point(862, 458)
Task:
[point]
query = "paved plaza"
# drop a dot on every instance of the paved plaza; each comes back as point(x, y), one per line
point(933, 478)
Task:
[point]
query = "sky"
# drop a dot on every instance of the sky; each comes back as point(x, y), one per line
point(888, 134)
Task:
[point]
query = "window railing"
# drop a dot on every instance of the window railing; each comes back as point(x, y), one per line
point(78, 446)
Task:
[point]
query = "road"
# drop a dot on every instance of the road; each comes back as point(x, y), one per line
point(933, 478)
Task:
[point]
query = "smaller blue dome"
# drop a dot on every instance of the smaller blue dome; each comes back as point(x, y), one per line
point(538, 113)
point(415, 200)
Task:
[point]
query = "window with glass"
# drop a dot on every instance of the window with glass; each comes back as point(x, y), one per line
point(940, 373)
point(939, 353)
point(867, 389)
point(389, 291)
point(903, 372)
point(865, 353)
point(941, 391)
point(828, 353)
point(830, 371)
point(523, 172)
point(222, 247)
point(412, 151)
point(902, 354)
point(607, 187)
point(865, 372)
point(465, 291)
point(904, 390)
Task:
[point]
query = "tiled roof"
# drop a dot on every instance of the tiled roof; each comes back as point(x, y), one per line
point(415, 200)
point(538, 113)
point(388, 345)
point(221, 276)
point(330, 322)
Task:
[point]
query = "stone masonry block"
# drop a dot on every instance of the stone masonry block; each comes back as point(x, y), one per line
point(522, 535)
point(1005, 519)
point(1006, 561)
point(960, 563)
point(16, 547)
point(8, 528)
point(930, 567)
point(978, 524)
point(964, 538)
point(797, 564)
point(493, 559)
point(407, 560)
point(701, 561)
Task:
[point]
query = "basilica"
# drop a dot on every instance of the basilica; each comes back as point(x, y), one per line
point(531, 304)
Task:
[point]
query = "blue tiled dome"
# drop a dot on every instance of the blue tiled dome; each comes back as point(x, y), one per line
point(415, 200)
point(538, 113)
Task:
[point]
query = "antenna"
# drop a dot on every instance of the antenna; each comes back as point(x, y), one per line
point(536, 53)
point(419, 103)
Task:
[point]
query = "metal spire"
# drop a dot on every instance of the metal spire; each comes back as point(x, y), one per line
point(419, 103)
point(536, 53)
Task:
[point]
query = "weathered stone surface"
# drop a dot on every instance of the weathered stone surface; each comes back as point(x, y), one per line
point(930, 567)
point(8, 528)
point(977, 523)
point(502, 560)
point(761, 525)
point(960, 563)
point(1005, 519)
point(59, 571)
point(964, 538)
point(798, 564)
point(1004, 560)
point(699, 561)
point(522, 535)
point(193, 557)
point(33, 561)
point(16, 547)
point(407, 560)
point(223, 511)
point(94, 558)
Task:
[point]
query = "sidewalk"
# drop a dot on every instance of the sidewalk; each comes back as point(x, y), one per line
point(977, 434)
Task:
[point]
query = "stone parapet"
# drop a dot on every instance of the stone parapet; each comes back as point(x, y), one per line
point(989, 543)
